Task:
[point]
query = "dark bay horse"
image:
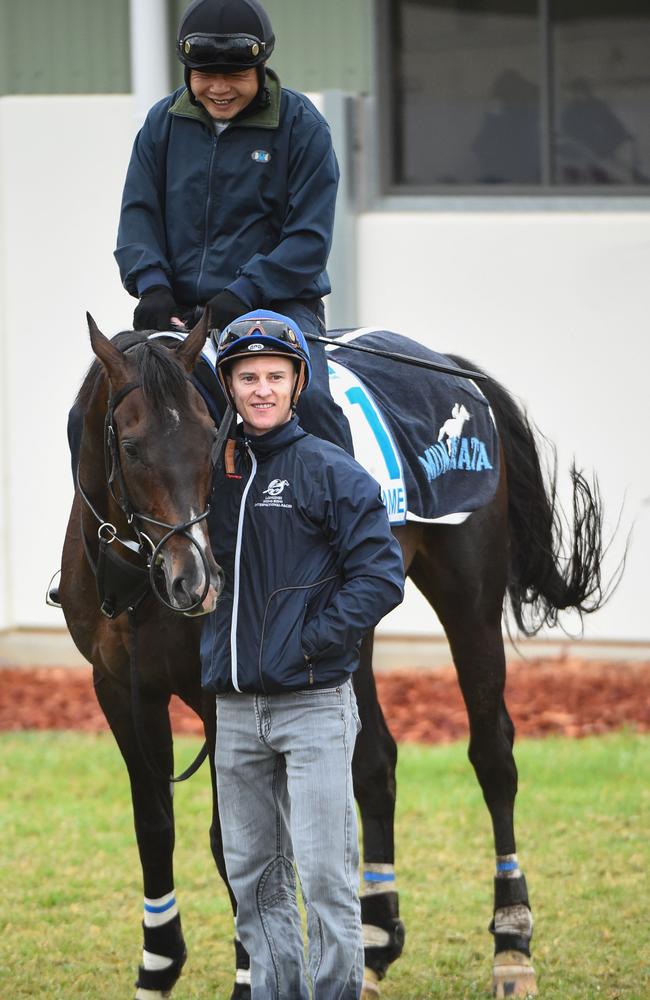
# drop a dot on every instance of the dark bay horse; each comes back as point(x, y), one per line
point(145, 471)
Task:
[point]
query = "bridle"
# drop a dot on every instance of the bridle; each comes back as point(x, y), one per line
point(142, 544)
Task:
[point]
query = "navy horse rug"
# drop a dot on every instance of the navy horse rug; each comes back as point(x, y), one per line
point(428, 438)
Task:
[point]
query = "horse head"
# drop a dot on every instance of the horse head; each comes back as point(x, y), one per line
point(159, 443)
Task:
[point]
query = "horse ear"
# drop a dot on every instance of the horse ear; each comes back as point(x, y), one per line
point(107, 353)
point(188, 352)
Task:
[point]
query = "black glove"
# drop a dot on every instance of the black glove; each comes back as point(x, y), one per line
point(192, 316)
point(155, 309)
point(224, 308)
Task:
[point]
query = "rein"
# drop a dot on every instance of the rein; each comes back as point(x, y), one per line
point(136, 711)
point(144, 578)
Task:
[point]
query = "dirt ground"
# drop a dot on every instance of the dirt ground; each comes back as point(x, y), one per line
point(565, 696)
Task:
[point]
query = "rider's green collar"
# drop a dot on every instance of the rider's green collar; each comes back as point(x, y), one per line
point(268, 117)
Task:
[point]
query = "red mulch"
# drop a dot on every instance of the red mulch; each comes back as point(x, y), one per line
point(565, 696)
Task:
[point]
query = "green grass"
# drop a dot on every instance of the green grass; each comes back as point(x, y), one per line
point(71, 890)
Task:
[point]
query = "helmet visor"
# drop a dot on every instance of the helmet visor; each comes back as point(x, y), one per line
point(249, 327)
point(198, 50)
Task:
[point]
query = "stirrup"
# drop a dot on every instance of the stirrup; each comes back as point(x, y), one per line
point(52, 594)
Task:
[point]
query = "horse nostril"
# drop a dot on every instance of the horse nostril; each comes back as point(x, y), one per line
point(180, 592)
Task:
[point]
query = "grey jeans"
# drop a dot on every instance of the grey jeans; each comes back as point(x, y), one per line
point(284, 774)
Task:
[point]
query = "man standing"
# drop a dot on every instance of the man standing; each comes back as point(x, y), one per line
point(230, 193)
point(310, 565)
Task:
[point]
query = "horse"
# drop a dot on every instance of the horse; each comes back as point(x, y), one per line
point(144, 483)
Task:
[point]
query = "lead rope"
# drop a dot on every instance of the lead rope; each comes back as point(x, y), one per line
point(136, 711)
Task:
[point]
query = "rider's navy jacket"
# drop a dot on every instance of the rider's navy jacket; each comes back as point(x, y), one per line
point(310, 565)
point(251, 209)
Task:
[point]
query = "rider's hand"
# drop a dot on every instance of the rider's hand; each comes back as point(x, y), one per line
point(224, 308)
point(155, 309)
point(191, 318)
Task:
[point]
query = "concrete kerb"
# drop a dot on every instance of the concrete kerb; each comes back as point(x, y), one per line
point(54, 648)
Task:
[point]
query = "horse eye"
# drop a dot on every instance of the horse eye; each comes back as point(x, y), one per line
point(129, 449)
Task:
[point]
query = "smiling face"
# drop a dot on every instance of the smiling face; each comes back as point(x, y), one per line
point(261, 388)
point(224, 95)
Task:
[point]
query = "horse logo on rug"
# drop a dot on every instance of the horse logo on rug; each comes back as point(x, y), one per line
point(453, 427)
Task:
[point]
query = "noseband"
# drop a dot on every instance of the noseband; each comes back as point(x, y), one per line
point(142, 545)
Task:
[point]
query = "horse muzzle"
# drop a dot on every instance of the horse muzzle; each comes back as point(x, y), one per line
point(193, 580)
point(210, 600)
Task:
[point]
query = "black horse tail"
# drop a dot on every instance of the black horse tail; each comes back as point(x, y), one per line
point(555, 562)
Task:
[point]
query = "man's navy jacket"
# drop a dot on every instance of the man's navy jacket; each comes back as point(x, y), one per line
point(310, 565)
point(251, 209)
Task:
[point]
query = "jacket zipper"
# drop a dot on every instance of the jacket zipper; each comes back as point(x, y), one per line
point(205, 220)
point(235, 596)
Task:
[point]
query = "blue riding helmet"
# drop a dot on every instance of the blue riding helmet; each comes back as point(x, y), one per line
point(264, 332)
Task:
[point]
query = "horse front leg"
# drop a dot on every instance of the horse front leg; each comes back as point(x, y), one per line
point(373, 771)
point(164, 951)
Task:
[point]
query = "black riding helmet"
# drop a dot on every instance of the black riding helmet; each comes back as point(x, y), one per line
point(224, 36)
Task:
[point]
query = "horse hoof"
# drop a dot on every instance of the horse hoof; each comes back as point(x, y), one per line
point(513, 975)
point(370, 988)
point(241, 991)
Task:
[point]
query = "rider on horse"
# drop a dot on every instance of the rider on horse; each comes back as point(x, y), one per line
point(230, 193)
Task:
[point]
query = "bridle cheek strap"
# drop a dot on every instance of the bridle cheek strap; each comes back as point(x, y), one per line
point(111, 452)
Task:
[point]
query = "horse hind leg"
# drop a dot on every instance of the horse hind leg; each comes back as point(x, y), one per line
point(490, 753)
point(373, 770)
point(242, 985)
point(463, 578)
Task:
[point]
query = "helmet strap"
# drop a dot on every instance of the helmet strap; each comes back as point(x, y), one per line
point(187, 74)
point(298, 386)
point(261, 100)
point(226, 388)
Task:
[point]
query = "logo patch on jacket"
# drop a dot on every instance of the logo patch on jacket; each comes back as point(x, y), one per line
point(260, 156)
point(273, 494)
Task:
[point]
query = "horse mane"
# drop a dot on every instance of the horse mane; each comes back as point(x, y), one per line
point(163, 381)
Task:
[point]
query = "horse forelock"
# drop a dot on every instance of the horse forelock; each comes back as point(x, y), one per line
point(163, 381)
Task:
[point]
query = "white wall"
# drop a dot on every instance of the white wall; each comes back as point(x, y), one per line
point(555, 306)
point(62, 163)
point(550, 303)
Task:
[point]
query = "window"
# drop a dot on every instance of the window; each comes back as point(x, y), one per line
point(532, 96)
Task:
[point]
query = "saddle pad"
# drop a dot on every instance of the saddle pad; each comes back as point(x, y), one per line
point(427, 437)
point(374, 445)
